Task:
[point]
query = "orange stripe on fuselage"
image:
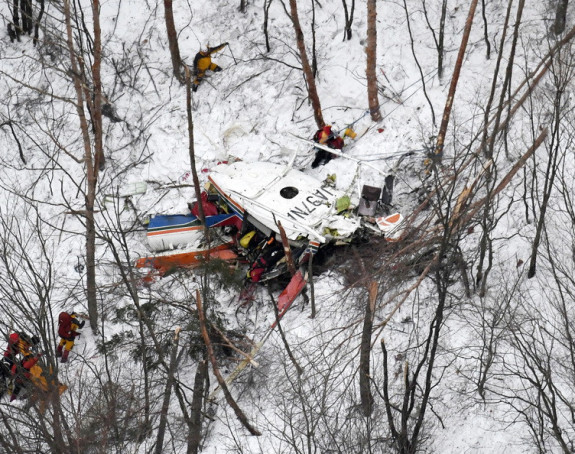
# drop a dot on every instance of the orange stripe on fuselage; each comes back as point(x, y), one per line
point(184, 229)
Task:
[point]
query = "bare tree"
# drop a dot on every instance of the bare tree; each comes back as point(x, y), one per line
point(348, 12)
point(93, 158)
point(439, 37)
point(266, 6)
point(454, 79)
point(243, 5)
point(173, 41)
point(558, 26)
point(562, 71)
point(168, 392)
point(412, 45)
point(307, 70)
point(365, 351)
point(371, 52)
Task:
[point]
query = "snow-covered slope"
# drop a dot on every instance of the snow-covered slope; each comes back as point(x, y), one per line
point(256, 109)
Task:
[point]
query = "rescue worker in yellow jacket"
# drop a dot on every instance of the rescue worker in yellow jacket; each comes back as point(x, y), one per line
point(203, 62)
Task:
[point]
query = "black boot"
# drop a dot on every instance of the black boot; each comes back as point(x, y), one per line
point(320, 156)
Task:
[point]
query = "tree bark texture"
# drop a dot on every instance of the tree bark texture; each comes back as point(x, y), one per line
point(454, 80)
point(371, 52)
point(196, 408)
point(91, 177)
point(192, 152)
point(560, 17)
point(365, 352)
point(167, 393)
point(307, 71)
point(347, 33)
point(173, 40)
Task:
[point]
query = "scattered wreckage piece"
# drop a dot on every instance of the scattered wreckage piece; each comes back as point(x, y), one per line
point(182, 238)
point(392, 226)
point(181, 230)
point(290, 293)
point(191, 257)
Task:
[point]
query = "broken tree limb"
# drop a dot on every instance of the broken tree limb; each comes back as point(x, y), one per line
point(298, 368)
point(242, 365)
point(454, 79)
point(287, 249)
point(407, 292)
point(232, 403)
point(459, 223)
point(505, 180)
point(234, 348)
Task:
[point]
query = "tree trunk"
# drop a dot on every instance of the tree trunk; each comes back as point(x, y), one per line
point(454, 80)
point(549, 183)
point(307, 71)
point(311, 286)
point(267, 4)
point(167, 393)
point(96, 110)
point(91, 177)
point(485, 33)
point(196, 408)
point(560, 17)
point(196, 180)
point(313, 41)
point(173, 41)
point(38, 20)
point(347, 33)
point(441, 41)
point(16, 16)
point(365, 352)
point(371, 60)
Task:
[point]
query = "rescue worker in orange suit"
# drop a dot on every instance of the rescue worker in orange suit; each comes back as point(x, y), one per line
point(21, 374)
point(203, 62)
point(326, 136)
point(19, 343)
point(68, 324)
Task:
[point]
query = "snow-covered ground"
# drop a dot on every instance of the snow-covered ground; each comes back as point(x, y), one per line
point(257, 109)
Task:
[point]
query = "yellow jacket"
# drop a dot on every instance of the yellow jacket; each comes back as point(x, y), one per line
point(203, 59)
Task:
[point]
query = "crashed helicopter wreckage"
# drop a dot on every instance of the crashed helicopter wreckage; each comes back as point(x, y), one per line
point(270, 217)
point(245, 204)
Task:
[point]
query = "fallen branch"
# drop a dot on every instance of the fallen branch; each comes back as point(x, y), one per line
point(237, 410)
point(234, 348)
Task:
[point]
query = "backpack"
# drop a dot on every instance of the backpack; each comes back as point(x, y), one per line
point(64, 324)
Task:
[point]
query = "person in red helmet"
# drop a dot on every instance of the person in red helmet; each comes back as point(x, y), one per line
point(68, 324)
point(326, 136)
point(12, 349)
point(19, 344)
